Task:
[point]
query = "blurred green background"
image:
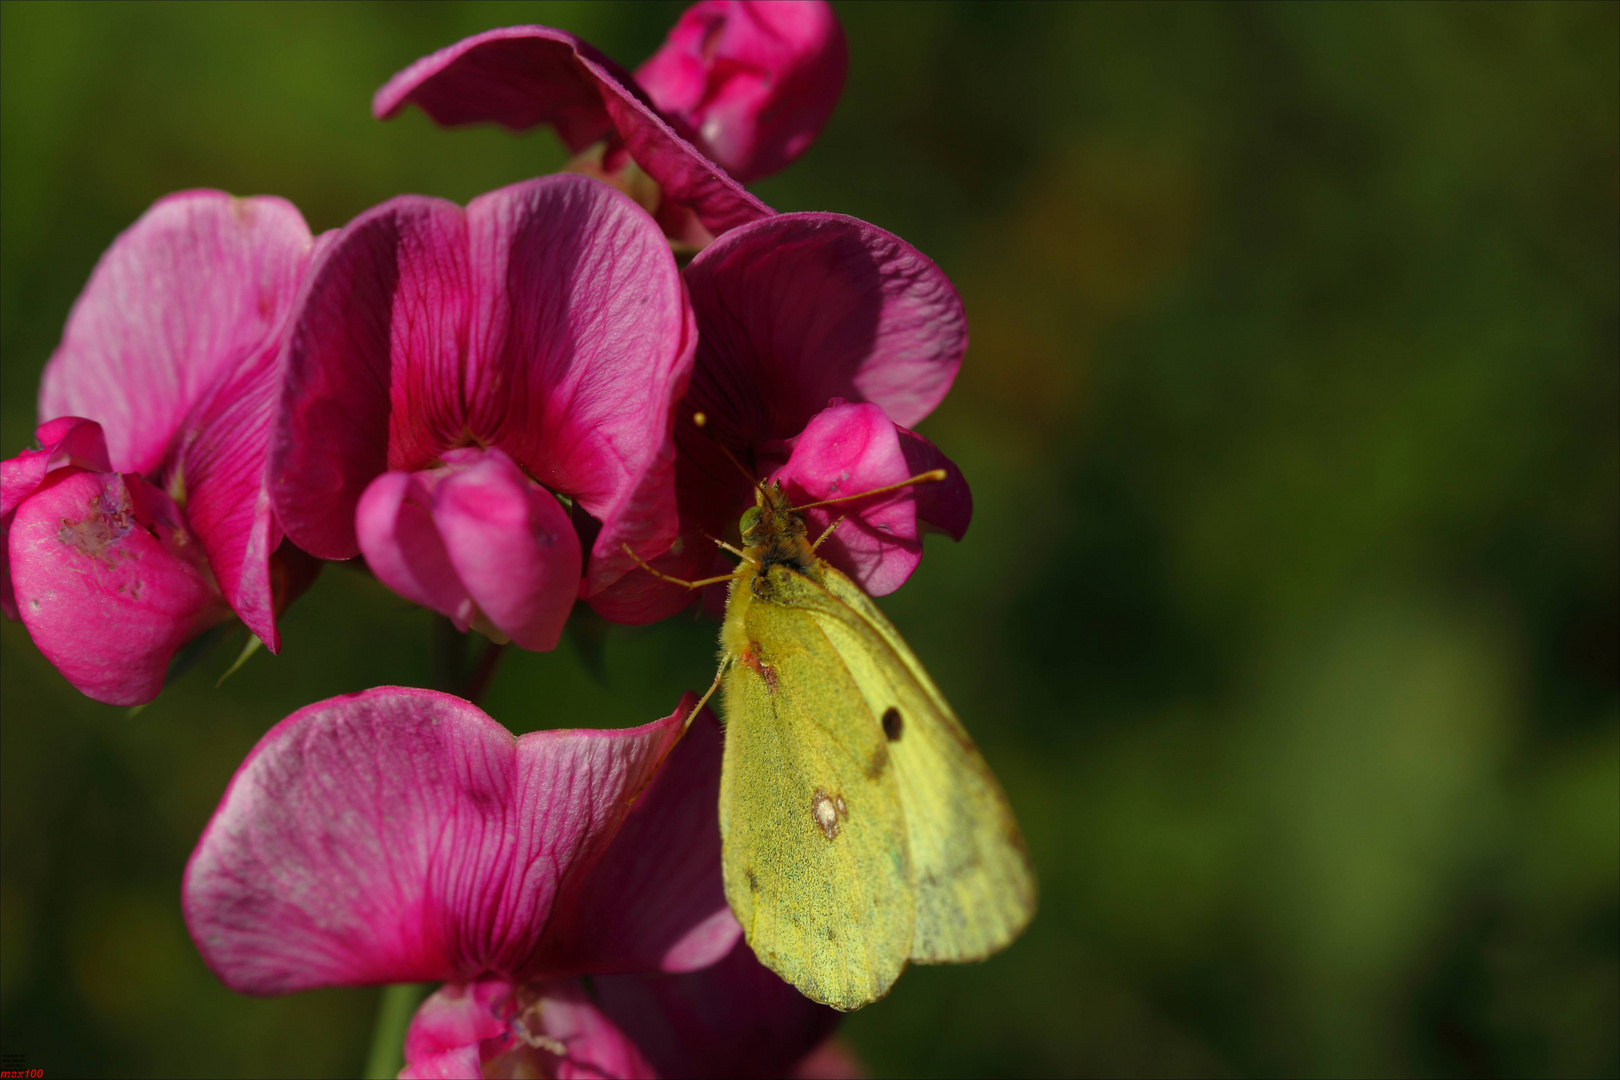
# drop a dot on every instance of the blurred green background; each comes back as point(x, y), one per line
point(1289, 612)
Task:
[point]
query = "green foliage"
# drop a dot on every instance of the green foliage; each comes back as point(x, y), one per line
point(1289, 616)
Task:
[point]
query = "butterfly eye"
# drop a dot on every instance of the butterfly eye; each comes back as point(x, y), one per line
point(891, 723)
point(750, 523)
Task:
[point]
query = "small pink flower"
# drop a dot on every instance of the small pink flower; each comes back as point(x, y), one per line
point(144, 519)
point(821, 340)
point(402, 835)
point(754, 81)
point(448, 370)
point(745, 85)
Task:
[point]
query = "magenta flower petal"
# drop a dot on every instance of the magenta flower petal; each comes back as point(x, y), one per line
point(172, 348)
point(512, 547)
point(444, 1036)
point(108, 582)
point(403, 835)
point(521, 76)
point(69, 442)
point(402, 546)
point(582, 343)
point(848, 449)
point(493, 1028)
point(946, 505)
point(191, 293)
point(755, 81)
point(802, 308)
point(373, 366)
point(734, 1018)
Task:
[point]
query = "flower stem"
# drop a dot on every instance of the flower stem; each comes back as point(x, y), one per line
point(395, 1008)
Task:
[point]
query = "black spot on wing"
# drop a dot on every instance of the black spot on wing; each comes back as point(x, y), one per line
point(892, 726)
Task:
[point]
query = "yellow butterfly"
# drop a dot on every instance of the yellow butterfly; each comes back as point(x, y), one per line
point(860, 828)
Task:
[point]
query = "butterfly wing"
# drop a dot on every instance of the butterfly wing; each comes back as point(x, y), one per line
point(974, 888)
point(812, 831)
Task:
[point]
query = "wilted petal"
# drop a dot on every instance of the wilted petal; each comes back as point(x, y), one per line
point(402, 835)
point(108, 582)
point(848, 449)
point(512, 546)
point(581, 343)
point(188, 295)
point(68, 442)
point(521, 76)
point(802, 308)
point(402, 546)
point(734, 1018)
point(756, 81)
point(373, 366)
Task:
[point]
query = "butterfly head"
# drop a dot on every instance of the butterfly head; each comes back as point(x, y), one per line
point(771, 520)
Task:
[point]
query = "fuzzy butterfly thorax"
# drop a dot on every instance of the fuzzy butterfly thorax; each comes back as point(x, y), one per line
point(774, 534)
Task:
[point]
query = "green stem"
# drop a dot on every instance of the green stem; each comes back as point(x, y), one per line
point(394, 1011)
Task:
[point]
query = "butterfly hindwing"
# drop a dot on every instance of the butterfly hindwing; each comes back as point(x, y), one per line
point(974, 890)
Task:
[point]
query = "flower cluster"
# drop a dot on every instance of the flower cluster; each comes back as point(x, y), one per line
point(504, 408)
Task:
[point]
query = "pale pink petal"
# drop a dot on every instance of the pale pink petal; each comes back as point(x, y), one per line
point(521, 76)
point(845, 450)
point(802, 308)
point(108, 582)
point(462, 1063)
point(189, 294)
point(657, 892)
point(403, 548)
point(402, 835)
point(372, 366)
point(580, 345)
point(834, 1059)
point(734, 1018)
point(756, 81)
point(512, 546)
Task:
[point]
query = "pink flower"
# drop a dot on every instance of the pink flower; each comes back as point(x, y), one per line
point(754, 81)
point(143, 518)
point(747, 85)
point(822, 339)
point(449, 371)
point(403, 835)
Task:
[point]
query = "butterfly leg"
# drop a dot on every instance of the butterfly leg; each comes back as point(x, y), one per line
point(725, 662)
point(828, 533)
point(675, 580)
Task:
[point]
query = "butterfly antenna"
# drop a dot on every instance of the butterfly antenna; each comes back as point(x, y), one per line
point(701, 421)
point(932, 476)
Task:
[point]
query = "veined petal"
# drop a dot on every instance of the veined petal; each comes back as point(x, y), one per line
point(801, 308)
point(108, 582)
point(755, 81)
point(512, 546)
point(581, 343)
point(372, 366)
point(734, 1018)
point(521, 76)
point(194, 290)
point(657, 894)
point(848, 449)
point(403, 835)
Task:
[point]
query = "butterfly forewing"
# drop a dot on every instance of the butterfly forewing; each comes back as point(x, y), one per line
point(813, 833)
